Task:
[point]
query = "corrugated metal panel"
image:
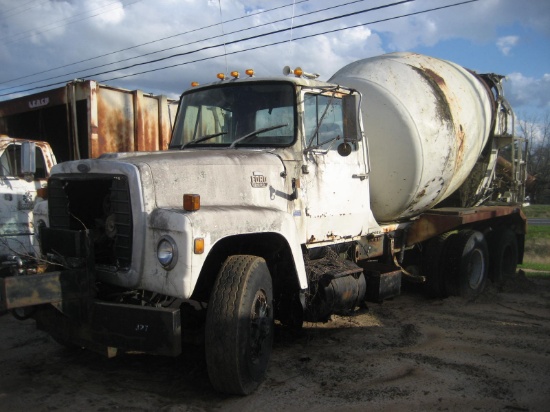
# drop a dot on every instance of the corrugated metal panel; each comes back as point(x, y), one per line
point(107, 119)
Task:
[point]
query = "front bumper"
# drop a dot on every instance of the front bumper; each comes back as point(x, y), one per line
point(64, 304)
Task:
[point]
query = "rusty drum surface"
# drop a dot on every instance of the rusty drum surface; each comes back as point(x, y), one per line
point(426, 122)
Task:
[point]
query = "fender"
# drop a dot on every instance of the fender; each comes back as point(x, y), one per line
point(213, 224)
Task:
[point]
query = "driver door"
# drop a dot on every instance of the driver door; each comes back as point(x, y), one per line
point(335, 180)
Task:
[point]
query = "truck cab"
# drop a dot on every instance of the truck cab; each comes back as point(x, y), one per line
point(311, 126)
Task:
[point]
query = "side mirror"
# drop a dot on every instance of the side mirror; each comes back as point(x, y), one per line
point(28, 160)
point(350, 124)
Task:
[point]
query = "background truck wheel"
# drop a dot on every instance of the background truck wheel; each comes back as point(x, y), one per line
point(239, 325)
point(467, 259)
point(433, 266)
point(503, 254)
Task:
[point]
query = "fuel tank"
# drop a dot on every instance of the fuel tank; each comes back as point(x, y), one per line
point(426, 122)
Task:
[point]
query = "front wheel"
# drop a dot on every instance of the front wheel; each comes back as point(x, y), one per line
point(239, 325)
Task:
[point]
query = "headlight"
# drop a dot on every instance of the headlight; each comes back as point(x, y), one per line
point(167, 252)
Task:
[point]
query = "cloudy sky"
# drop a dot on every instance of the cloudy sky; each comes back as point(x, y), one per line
point(160, 46)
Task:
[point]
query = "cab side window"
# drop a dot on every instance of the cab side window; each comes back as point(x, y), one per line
point(10, 165)
point(10, 162)
point(40, 165)
point(323, 120)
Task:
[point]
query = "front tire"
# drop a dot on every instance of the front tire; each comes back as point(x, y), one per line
point(239, 325)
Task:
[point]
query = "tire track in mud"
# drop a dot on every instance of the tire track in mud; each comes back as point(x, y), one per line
point(408, 353)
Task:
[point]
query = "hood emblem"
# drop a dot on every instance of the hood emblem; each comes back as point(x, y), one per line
point(258, 180)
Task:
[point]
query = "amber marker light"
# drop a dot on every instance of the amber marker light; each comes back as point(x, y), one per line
point(191, 202)
point(235, 74)
point(220, 76)
point(249, 72)
point(298, 71)
point(198, 246)
point(194, 84)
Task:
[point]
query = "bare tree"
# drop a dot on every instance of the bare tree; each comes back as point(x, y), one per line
point(536, 129)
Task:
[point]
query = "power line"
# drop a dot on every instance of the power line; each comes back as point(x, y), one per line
point(228, 43)
point(181, 45)
point(260, 46)
point(19, 6)
point(256, 36)
point(66, 24)
point(297, 38)
point(144, 44)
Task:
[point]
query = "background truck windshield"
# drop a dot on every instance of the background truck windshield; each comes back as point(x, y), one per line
point(255, 114)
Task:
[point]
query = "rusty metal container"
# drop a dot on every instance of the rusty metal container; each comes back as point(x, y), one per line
point(85, 119)
point(426, 122)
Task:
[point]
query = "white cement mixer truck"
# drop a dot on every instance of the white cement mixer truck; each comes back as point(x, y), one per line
point(284, 198)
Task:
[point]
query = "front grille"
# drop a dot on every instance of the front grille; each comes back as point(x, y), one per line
point(99, 203)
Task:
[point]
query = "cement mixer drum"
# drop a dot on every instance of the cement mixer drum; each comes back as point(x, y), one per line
point(426, 122)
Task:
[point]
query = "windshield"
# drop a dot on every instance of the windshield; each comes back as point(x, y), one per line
point(245, 114)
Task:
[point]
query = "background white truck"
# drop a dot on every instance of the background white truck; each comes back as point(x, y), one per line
point(80, 120)
point(285, 199)
point(24, 169)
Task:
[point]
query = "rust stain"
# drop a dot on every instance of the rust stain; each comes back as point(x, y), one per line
point(435, 222)
point(436, 77)
point(48, 159)
point(115, 130)
point(439, 87)
point(461, 138)
point(150, 139)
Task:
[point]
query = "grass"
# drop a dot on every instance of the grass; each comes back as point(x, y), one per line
point(537, 243)
point(542, 211)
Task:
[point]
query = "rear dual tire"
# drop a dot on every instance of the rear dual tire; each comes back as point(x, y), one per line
point(503, 253)
point(467, 264)
point(456, 264)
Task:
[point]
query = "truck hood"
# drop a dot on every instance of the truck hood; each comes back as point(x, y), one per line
point(222, 178)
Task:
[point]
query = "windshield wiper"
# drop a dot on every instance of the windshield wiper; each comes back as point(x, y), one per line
point(255, 132)
point(201, 139)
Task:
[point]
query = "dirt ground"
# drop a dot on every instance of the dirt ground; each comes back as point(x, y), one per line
point(409, 353)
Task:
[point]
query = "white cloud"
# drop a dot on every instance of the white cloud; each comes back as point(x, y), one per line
point(506, 43)
point(528, 91)
point(105, 12)
point(55, 33)
point(477, 22)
